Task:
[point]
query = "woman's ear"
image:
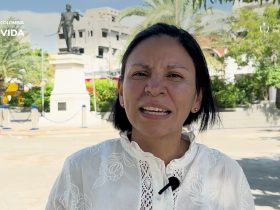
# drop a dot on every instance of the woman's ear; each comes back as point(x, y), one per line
point(197, 101)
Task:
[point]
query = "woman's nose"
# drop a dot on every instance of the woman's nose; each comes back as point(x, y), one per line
point(155, 87)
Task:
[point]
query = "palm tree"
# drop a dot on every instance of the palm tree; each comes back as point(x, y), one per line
point(175, 12)
point(11, 52)
point(185, 14)
point(14, 55)
point(181, 13)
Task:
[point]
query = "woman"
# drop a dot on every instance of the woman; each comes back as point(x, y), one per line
point(164, 86)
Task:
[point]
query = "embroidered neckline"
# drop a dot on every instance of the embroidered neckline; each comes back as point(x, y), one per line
point(134, 149)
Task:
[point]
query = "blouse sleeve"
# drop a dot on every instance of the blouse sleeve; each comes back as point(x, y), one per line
point(246, 198)
point(236, 192)
point(59, 195)
point(67, 192)
point(229, 187)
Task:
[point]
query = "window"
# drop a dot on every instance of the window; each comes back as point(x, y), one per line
point(91, 33)
point(74, 35)
point(113, 18)
point(117, 37)
point(80, 34)
point(114, 51)
point(104, 34)
point(61, 36)
point(124, 36)
point(100, 52)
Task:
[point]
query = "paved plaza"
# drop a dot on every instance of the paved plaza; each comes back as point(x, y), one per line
point(30, 160)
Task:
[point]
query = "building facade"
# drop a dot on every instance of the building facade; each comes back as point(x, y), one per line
point(99, 35)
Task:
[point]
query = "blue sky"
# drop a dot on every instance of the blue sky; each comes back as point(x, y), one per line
point(82, 5)
point(57, 5)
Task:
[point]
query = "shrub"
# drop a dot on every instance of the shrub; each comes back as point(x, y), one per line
point(246, 90)
point(249, 88)
point(106, 94)
point(33, 96)
point(226, 95)
point(273, 77)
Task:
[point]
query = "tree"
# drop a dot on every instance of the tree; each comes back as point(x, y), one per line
point(257, 38)
point(176, 12)
point(16, 54)
point(173, 11)
point(181, 13)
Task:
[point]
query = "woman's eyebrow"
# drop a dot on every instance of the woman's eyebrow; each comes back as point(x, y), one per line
point(176, 66)
point(144, 66)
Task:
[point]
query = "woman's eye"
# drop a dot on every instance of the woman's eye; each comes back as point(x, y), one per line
point(174, 76)
point(139, 75)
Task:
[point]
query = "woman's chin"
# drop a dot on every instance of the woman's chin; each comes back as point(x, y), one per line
point(153, 131)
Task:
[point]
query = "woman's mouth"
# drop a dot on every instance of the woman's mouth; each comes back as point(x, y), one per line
point(151, 110)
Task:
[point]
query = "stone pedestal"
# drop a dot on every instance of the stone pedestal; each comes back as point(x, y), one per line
point(69, 93)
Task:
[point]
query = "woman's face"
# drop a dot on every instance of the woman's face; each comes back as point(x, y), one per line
point(159, 90)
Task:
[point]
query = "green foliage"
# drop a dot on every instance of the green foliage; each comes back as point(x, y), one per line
point(14, 101)
point(34, 97)
point(174, 12)
point(261, 39)
point(273, 77)
point(249, 89)
point(259, 44)
point(182, 13)
point(226, 95)
point(15, 54)
point(106, 94)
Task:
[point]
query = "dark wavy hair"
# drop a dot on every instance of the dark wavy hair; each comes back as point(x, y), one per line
point(207, 113)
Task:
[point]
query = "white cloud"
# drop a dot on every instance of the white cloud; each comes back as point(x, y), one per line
point(38, 25)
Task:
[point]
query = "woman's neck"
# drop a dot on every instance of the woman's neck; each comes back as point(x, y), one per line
point(167, 148)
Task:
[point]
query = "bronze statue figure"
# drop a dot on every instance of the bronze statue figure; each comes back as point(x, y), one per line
point(66, 22)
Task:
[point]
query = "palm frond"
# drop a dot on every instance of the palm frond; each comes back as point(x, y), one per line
point(141, 11)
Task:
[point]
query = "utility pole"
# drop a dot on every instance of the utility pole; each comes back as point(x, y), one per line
point(94, 92)
point(42, 84)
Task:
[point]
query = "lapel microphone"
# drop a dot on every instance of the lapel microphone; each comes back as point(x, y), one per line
point(173, 183)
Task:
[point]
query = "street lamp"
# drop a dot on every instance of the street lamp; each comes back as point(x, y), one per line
point(264, 28)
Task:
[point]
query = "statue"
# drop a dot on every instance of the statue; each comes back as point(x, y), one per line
point(66, 22)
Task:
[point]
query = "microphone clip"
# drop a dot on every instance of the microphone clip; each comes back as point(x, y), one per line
point(173, 183)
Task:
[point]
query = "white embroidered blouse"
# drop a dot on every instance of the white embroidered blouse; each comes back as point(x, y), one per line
point(118, 175)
